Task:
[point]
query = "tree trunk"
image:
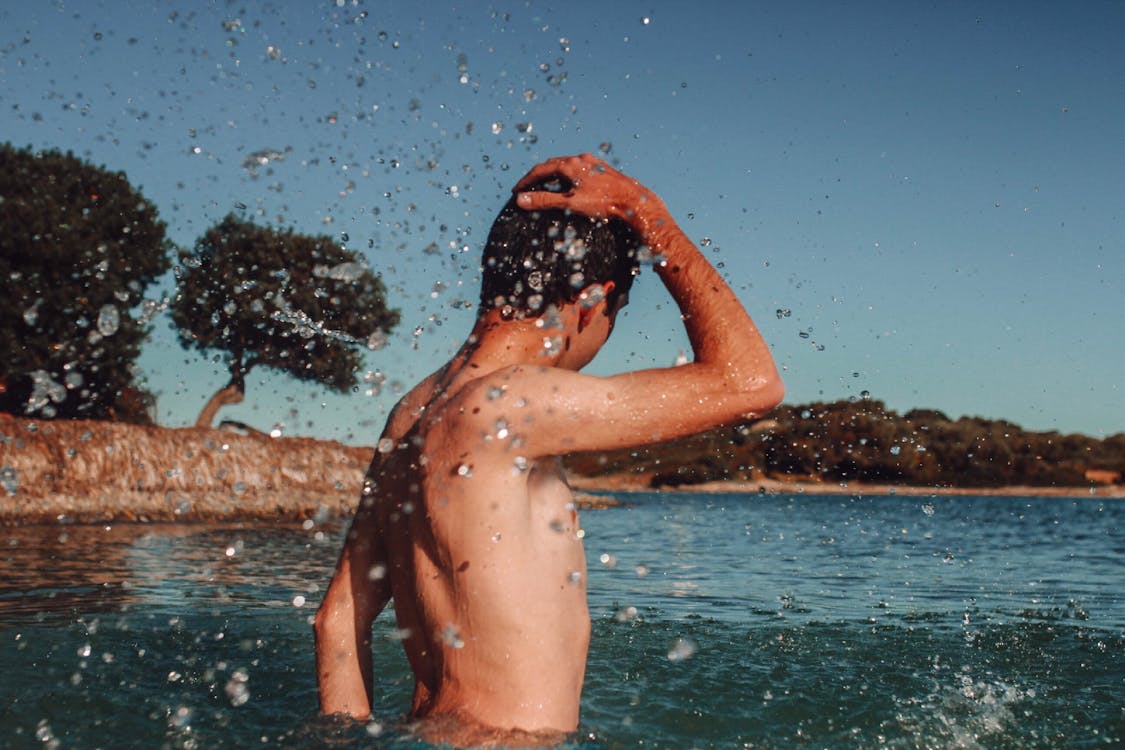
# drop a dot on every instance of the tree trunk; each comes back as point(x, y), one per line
point(232, 393)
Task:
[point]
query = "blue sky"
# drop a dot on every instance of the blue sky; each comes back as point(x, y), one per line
point(921, 202)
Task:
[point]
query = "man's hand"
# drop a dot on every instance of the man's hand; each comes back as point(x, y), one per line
point(596, 190)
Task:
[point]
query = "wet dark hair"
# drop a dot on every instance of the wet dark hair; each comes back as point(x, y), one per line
point(535, 259)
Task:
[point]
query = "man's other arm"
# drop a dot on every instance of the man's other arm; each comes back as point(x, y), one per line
point(343, 623)
point(356, 595)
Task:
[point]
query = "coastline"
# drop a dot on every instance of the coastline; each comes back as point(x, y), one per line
point(294, 504)
point(102, 472)
point(773, 486)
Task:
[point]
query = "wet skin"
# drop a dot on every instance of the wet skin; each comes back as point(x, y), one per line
point(466, 519)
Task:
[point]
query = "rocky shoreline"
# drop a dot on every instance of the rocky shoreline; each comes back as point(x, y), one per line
point(105, 472)
point(97, 472)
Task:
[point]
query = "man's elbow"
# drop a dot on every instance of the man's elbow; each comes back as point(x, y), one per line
point(763, 394)
point(330, 619)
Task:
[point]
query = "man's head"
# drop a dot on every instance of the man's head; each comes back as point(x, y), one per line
point(535, 259)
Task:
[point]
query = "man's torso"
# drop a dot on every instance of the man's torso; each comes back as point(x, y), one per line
point(488, 574)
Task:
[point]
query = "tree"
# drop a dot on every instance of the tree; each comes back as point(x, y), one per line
point(298, 304)
point(78, 247)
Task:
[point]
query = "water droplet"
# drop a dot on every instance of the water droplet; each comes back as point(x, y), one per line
point(236, 689)
point(45, 735)
point(681, 649)
point(376, 572)
point(349, 271)
point(593, 294)
point(44, 392)
point(31, 314)
point(109, 320)
point(10, 479)
point(497, 127)
point(452, 636)
point(464, 470)
point(896, 449)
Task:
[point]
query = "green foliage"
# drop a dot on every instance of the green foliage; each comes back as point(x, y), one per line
point(297, 304)
point(78, 247)
point(863, 441)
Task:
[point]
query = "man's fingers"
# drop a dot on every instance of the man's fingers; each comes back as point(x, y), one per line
point(537, 174)
point(556, 167)
point(570, 167)
point(538, 200)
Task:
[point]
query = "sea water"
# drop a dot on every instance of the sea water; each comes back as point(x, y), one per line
point(720, 621)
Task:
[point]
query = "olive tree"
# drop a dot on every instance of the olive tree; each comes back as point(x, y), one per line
point(78, 247)
point(298, 304)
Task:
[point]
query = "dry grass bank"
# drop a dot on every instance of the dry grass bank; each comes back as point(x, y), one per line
point(88, 471)
point(794, 486)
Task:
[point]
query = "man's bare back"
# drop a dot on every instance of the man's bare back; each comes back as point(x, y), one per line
point(487, 570)
point(466, 520)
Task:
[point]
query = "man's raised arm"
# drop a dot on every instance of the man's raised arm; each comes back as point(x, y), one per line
point(732, 375)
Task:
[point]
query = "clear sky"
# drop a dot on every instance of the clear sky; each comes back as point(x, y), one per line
point(924, 202)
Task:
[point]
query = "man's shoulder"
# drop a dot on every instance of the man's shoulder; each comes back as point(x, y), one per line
point(506, 406)
point(514, 387)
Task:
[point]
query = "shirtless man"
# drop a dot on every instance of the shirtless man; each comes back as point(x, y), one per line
point(466, 519)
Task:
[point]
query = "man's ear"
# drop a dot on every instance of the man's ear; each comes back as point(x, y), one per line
point(587, 309)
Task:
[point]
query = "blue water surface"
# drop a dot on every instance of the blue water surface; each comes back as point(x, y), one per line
point(720, 621)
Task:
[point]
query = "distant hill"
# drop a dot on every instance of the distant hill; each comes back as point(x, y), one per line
point(864, 441)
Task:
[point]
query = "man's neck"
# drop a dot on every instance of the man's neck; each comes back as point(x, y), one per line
point(496, 343)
